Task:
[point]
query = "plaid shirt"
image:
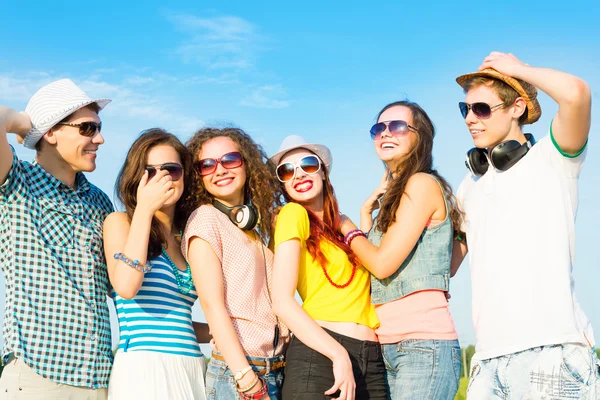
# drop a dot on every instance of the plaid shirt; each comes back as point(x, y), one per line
point(56, 316)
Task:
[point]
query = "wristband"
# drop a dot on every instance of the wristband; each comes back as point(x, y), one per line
point(351, 235)
point(246, 388)
point(256, 395)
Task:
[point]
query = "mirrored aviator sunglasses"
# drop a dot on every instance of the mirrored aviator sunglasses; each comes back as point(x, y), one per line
point(174, 169)
point(396, 128)
point(87, 129)
point(231, 160)
point(287, 171)
point(481, 110)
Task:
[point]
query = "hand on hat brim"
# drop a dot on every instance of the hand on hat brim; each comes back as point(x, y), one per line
point(506, 64)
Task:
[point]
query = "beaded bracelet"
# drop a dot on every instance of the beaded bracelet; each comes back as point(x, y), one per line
point(256, 395)
point(352, 234)
point(134, 263)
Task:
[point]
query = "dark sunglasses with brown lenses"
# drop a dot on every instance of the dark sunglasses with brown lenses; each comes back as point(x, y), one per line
point(231, 160)
point(174, 169)
point(481, 110)
point(87, 129)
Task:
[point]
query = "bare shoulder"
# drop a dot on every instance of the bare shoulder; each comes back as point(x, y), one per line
point(422, 185)
point(116, 220)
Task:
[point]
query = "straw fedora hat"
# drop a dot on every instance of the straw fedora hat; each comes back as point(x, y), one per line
point(526, 90)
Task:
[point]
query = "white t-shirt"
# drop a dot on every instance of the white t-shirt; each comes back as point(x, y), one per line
point(520, 227)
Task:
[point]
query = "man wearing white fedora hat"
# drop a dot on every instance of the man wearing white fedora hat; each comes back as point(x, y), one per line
point(520, 202)
point(57, 341)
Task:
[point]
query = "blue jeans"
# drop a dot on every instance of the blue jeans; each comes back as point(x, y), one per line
point(423, 369)
point(567, 371)
point(220, 384)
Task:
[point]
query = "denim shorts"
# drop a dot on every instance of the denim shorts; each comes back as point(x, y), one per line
point(563, 371)
point(220, 383)
point(309, 374)
point(423, 369)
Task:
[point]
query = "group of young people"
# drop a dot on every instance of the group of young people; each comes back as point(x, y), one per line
point(218, 220)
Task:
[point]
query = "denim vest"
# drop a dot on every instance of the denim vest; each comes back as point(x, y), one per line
point(426, 267)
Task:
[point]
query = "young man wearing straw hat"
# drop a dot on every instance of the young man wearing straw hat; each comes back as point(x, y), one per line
point(57, 341)
point(520, 202)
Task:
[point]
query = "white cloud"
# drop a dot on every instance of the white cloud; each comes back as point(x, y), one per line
point(266, 97)
point(128, 100)
point(226, 42)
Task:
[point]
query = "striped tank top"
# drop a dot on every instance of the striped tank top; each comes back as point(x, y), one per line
point(159, 317)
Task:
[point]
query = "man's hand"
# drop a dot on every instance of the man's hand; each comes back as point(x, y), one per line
point(506, 64)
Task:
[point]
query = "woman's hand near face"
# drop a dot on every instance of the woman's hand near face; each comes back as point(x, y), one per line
point(153, 193)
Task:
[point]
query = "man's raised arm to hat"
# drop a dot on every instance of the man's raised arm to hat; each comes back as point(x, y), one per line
point(11, 121)
point(571, 125)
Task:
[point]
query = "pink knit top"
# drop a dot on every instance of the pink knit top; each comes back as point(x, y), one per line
point(245, 274)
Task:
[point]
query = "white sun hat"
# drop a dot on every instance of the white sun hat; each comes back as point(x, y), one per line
point(293, 142)
point(53, 103)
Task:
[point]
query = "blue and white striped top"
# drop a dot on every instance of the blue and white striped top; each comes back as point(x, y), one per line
point(159, 317)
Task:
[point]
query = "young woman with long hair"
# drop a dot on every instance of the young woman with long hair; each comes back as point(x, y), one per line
point(224, 242)
point(409, 252)
point(158, 355)
point(334, 353)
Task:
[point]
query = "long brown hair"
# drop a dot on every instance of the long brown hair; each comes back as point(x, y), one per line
point(418, 159)
point(261, 187)
point(132, 171)
point(327, 228)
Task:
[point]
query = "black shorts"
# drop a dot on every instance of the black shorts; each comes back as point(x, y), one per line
point(308, 373)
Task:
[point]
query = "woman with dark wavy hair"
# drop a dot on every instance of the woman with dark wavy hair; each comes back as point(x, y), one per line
point(334, 352)
point(408, 253)
point(224, 242)
point(158, 355)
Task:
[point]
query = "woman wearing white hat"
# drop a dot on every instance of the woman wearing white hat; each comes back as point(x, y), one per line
point(335, 350)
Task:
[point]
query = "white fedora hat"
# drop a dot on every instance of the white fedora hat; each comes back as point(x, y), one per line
point(293, 142)
point(53, 103)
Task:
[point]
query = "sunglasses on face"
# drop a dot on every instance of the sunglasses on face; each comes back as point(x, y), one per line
point(87, 129)
point(396, 128)
point(174, 169)
point(481, 110)
point(231, 160)
point(286, 171)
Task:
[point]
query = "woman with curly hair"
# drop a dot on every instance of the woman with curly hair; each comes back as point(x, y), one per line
point(408, 252)
point(224, 242)
point(335, 350)
point(158, 355)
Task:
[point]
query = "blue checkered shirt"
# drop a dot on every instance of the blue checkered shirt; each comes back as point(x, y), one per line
point(56, 316)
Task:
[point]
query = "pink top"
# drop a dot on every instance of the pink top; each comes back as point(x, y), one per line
point(244, 269)
point(421, 315)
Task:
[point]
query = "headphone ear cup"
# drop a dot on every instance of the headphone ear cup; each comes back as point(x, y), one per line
point(477, 161)
point(245, 217)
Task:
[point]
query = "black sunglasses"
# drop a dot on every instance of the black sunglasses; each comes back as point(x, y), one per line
point(396, 128)
point(481, 110)
point(231, 160)
point(287, 171)
point(87, 129)
point(174, 169)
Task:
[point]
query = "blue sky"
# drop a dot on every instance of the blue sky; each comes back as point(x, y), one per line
point(318, 69)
